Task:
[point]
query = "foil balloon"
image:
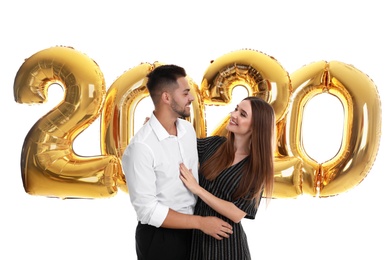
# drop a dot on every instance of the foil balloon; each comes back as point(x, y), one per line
point(287, 177)
point(49, 165)
point(361, 132)
point(262, 76)
point(123, 97)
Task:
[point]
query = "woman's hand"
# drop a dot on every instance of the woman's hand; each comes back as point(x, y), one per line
point(189, 180)
point(223, 207)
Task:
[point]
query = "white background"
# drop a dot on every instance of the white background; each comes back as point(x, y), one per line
point(119, 35)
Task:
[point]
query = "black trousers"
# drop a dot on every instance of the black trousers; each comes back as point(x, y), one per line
point(162, 243)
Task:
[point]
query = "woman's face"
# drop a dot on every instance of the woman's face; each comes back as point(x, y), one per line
point(241, 119)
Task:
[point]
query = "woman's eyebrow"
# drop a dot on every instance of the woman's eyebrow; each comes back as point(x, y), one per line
point(242, 110)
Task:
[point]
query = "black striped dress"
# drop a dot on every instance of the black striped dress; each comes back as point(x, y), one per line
point(206, 247)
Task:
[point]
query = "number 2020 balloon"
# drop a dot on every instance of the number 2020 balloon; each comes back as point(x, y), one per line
point(51, 168)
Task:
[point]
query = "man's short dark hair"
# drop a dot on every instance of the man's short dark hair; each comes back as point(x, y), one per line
point(162, 78)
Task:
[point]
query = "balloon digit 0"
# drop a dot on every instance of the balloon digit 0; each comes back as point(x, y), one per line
point(362, 124)
point(123, 96)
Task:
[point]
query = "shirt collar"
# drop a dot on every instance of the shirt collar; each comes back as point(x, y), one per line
point(160, 130)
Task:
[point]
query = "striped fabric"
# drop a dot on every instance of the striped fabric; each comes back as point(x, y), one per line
point(205, 247)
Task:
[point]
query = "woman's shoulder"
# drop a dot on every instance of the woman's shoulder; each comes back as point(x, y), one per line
point(211, 140)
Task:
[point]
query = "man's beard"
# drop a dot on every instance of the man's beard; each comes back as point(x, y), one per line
point(181, 112)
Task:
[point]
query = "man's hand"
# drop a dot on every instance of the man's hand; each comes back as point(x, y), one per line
point(216, 227)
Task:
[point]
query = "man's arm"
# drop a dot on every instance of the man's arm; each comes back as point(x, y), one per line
point(212, 226)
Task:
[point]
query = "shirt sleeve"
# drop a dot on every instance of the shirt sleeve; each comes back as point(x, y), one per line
point(137, 163)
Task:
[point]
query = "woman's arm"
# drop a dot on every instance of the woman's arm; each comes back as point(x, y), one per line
point(223, 207)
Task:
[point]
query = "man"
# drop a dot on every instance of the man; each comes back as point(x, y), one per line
point(163, 204)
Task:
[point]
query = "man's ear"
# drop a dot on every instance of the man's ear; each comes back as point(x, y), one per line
point(165, 97)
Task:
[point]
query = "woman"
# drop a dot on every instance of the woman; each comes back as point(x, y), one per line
point(234, 172)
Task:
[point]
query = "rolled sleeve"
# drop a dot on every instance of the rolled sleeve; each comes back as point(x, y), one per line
point(137, 163)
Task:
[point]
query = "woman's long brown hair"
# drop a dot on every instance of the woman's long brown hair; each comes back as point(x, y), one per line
point(258, 174)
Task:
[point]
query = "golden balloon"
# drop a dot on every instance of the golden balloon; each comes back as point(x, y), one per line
point(123, 96)
point(361, 132)
point(48, 163)
point(261, 74)
point(51, 168)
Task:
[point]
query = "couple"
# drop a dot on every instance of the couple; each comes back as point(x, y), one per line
point(182, 215)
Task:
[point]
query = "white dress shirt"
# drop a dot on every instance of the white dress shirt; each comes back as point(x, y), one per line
point(151, 166)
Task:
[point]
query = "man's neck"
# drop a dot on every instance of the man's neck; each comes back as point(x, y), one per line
point(168, 122)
